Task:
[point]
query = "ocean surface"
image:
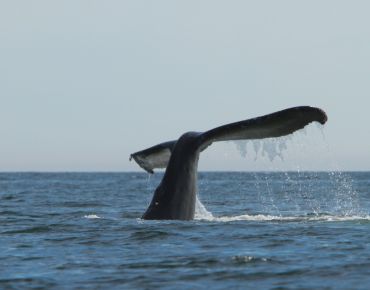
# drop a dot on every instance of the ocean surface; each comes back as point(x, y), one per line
point(287, 230)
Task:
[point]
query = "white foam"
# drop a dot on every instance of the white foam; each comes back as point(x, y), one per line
point(201, 212)
point(92, 216)
point(260, 217)
point(248, 259)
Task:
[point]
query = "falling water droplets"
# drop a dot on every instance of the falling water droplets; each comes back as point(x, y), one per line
point(315, 192)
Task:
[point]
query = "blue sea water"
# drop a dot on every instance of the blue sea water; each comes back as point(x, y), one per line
point(286, 230)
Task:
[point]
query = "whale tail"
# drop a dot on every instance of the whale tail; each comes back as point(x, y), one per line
point(277, 124)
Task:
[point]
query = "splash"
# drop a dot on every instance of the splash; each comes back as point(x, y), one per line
point(271, 148)
point(274, 148)
point(295, 194)
point(200, 211)
point(269, 218)
point(305, 146)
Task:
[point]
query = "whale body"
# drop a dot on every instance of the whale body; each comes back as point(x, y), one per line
point(175, 197)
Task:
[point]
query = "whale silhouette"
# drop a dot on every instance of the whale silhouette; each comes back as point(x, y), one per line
point(175, 197)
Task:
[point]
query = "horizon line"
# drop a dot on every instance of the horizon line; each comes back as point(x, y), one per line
point(162, 171)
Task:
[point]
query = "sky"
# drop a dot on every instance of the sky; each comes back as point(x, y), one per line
point(85, 83)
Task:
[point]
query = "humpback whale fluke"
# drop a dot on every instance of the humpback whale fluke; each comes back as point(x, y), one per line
point(175, 196)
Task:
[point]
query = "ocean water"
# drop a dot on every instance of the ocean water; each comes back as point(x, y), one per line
point(288, 230)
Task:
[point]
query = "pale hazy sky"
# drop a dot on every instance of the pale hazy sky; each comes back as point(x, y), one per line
point(85, 83)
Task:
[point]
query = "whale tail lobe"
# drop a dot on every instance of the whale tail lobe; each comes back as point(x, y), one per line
point(277, 124)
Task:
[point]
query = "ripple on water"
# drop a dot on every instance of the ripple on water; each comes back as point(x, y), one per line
point(150, 235)
point(27, 283)
point(74, 237)
point(30, 230)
